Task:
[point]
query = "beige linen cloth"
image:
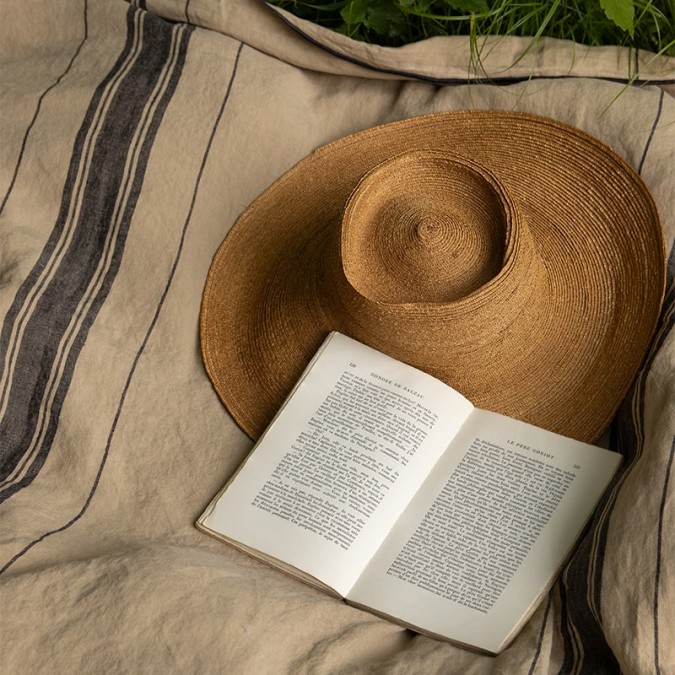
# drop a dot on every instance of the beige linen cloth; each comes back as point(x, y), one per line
point(132, 137)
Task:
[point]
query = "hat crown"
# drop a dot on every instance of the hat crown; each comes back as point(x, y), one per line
point(424, 226)
point(429, 244)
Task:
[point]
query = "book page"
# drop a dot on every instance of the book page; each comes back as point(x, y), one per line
point(487, 532)
point(340, 462)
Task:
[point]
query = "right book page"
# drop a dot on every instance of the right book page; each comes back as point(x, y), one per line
point(484, 537)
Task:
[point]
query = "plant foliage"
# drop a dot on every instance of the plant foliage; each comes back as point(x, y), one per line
point(644, 24)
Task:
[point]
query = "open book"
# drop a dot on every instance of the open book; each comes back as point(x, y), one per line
point(386, 487)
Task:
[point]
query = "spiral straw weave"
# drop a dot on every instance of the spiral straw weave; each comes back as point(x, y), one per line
point(515, 258)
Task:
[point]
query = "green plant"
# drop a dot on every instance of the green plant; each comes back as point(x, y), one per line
point(643, 24)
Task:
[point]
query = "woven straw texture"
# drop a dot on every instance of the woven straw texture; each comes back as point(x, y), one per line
point(508, 255)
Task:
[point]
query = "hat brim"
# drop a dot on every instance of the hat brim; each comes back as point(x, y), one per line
point(565, 364)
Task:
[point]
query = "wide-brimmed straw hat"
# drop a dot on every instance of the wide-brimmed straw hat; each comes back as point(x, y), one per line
point(516, 258)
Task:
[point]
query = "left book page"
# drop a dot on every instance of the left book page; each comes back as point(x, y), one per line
point(338, 465)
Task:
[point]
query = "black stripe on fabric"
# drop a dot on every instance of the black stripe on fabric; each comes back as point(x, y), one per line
point(441, 81)
point(542, 632)
point(651, 132)
point(148, 333)
point(57, 232)
point(80, 267)
point(659, 549)
point(585, 649)
point(37, 111)
point(568, 652)
point(187, 11)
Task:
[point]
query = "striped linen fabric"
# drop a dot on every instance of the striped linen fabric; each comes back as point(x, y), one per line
point(133, 135)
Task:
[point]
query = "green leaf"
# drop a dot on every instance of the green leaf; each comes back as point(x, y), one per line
point(385, 18)
point(354, 12)
point(621, 12)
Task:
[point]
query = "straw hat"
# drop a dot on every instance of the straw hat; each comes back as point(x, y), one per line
point(514, 257)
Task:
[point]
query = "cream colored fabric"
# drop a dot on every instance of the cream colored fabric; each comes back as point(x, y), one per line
point(131, 141)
